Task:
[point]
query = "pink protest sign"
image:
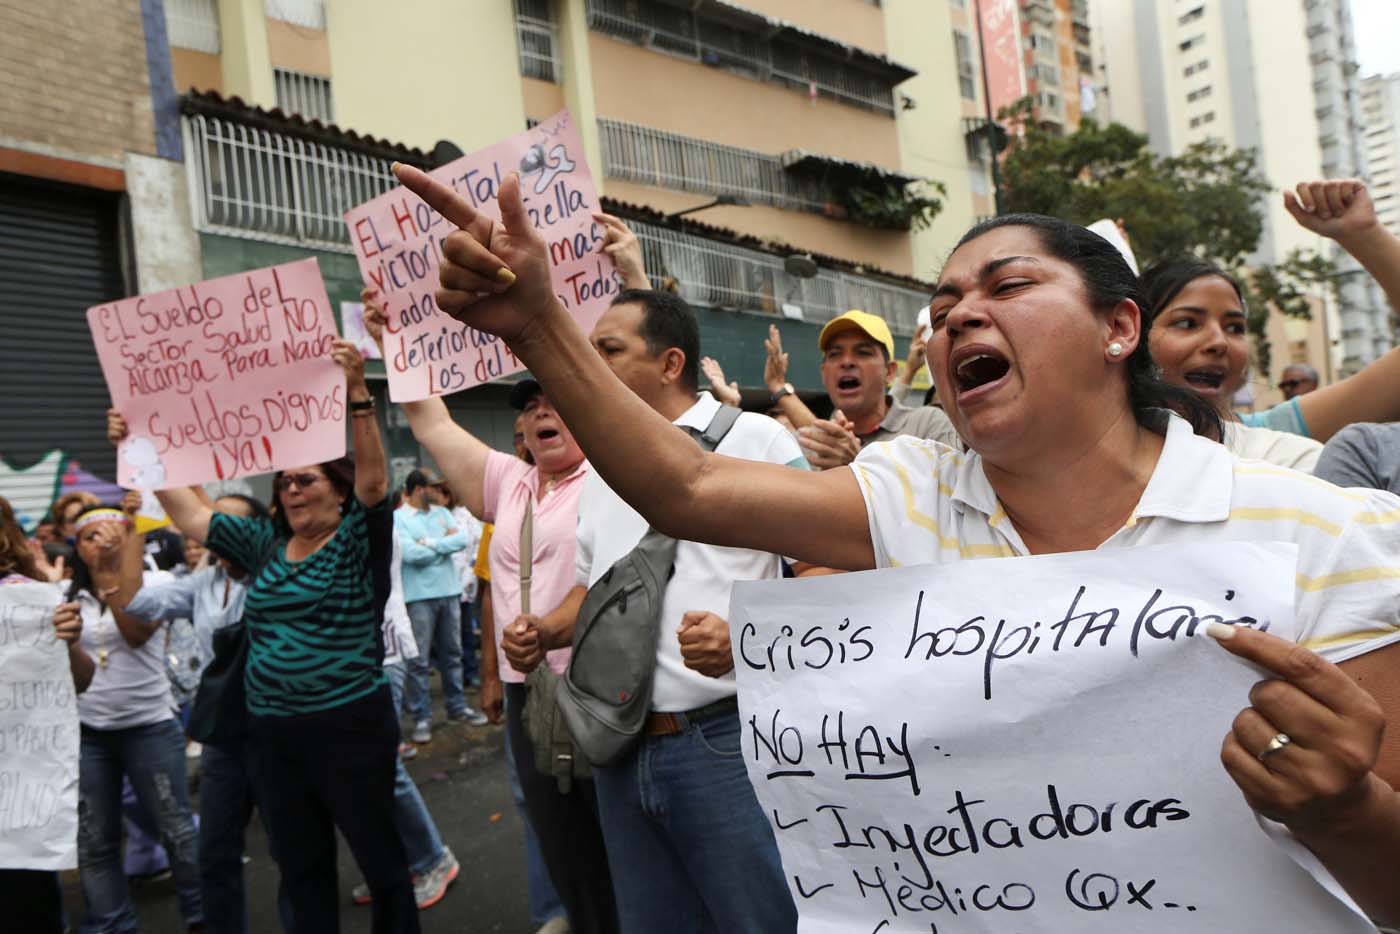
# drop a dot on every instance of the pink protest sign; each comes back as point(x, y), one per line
point(398, 242)
point(224, 379)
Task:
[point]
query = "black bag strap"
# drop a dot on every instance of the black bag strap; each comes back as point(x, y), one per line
point(719, 426)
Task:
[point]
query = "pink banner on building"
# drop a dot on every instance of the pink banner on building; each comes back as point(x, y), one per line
point(398, 242)
point(224, 379)
point(1001, 46)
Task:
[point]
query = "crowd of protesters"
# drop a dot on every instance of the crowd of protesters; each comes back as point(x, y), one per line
point(315, 620)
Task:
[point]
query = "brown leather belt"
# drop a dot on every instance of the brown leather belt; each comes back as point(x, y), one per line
point(667, 724)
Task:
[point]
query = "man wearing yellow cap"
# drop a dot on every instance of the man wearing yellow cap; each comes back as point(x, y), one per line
point(857, 367)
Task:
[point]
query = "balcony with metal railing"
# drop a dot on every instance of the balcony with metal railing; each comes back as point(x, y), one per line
point(715, 274)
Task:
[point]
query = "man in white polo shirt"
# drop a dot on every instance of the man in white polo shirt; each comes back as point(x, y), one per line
point(685, 835)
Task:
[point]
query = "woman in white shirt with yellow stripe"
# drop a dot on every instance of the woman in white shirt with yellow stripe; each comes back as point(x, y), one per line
point(1039, 358)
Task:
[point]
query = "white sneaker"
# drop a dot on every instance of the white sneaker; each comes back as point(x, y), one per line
point(422, 731)
point(559, 925)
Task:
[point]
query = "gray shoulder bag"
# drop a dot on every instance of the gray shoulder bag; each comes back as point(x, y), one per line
point(554, 748)
point(605, 695)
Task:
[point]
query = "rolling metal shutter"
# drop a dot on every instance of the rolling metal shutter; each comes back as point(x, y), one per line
point(59, 254)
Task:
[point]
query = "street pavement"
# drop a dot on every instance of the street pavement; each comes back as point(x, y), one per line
point(462, 777)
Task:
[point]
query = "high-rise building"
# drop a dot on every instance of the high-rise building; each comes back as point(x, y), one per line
point(1380, 116)
point(1277, 76)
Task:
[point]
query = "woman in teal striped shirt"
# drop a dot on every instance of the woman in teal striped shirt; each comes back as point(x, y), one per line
point(321, 719)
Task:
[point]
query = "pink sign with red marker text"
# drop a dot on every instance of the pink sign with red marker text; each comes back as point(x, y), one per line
point(223, 379)
point(398, 240)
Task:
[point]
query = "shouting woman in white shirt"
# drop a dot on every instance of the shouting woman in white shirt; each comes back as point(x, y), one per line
point(1037, 351)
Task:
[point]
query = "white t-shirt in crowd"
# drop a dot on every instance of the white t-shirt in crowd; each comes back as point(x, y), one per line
point(129, 686)
point(399, 642)
point(1281, 448)
point(608, 529)
point(929, 504)
point(465, 560)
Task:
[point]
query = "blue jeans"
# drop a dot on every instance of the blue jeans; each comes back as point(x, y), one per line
point(153, 757)
point(421, 841)
point(544, 901)
point(689, 846)
point(226, 802)
point(471, 638)
point(437, 628)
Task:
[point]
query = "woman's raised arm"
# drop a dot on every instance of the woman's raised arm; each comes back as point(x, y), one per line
point(495, 277)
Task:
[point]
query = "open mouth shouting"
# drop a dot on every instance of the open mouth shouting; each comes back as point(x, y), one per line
point(848, 384)
point(1206, 380)
point(977, 370)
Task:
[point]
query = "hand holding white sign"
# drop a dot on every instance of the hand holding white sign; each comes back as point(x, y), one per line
point(1032, 744)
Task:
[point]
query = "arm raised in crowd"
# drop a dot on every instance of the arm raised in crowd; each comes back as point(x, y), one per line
point(459, 453)
point(495, 277)
point(1341, 210)
point(626, 250)
point(371, 473)
point(775, 369)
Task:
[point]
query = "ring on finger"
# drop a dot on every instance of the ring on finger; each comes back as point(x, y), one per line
point(1275, 744)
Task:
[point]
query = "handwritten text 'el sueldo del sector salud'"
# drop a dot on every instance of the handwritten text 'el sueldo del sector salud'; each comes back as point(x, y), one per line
point(225, 378)
point(398, 242)
point(1021, 744)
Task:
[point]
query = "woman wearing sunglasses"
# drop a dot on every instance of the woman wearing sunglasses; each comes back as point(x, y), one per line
point(320, 714)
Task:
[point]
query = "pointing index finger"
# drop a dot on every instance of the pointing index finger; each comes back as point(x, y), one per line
point(1301, 667)
point(438, 196)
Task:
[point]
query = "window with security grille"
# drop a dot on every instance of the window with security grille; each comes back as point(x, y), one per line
point(688, 33)
point(307, 96)
point(193, 24)
point(536, 39)
point(962, 45)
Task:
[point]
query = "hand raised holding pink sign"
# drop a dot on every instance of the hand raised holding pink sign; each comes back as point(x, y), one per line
point(398, 241)
point(227, 378)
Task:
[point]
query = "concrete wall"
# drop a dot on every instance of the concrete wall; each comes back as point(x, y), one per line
point(201, 71)
point(640, 86)
point(297, 48)
point(167, 247)
point(246, 60)
point(854, 22)
point(75, 80)
point(931, 135)
point(432, 70)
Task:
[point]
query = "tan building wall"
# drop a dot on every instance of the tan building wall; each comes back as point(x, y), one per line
point(407, 78)
point(199, 70)
point(887, 249)
point(91, 99)
point(640, 86)
point(1291, 341)
point(245, 57)
point(542, 98)
point(297, 48)
point(931, 135)
point(854, 22)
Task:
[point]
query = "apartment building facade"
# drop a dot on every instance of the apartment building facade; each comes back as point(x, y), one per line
point(1380, 118)
point(768, 116)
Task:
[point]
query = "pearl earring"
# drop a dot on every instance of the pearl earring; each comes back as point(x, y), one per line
point(1115, 349)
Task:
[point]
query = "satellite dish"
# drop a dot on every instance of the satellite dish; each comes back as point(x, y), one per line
point(446, 151)
point(800, 265)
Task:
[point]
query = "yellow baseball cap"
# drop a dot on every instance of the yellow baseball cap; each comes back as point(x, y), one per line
point(873, 326)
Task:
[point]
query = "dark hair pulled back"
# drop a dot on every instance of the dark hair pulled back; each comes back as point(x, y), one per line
point(1109, 280)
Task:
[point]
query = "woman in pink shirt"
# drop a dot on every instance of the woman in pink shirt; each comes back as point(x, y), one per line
point(499, 488)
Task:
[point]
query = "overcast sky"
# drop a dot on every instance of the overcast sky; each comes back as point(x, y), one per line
point(1377, 27)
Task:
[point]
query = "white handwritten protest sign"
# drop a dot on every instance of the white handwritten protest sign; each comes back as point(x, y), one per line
point(1018, 745)
point(398, 242)
point(224, 379)
point(38, 734)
